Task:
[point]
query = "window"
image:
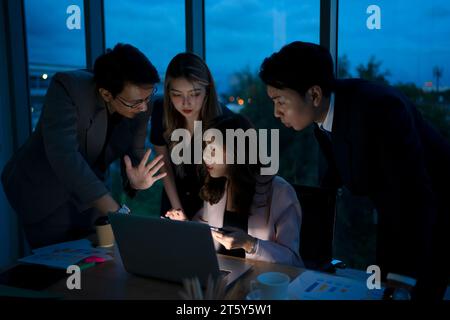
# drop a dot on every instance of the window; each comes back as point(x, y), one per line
point(409, 50)
point(404, 44)
point(157, 28)
point(55, 39)
point(239, 35)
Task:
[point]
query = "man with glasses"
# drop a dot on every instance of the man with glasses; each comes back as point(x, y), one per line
point(56, 180)
point(139, 102)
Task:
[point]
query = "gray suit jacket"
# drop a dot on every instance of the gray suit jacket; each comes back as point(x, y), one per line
point(56, 164)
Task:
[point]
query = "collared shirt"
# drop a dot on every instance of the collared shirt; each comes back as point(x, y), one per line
point(327, 124)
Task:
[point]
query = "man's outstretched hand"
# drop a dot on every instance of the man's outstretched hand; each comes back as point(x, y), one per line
point(144, 175)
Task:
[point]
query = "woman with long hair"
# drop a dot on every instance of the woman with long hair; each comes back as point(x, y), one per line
point(189, 96)
point(253, 216)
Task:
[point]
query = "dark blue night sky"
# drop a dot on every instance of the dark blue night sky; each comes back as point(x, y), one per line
point(414, 35)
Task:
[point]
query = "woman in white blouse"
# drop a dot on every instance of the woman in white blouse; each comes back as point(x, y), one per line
point(260, 216)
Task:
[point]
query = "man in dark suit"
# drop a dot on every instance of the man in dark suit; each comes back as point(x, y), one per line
point(56, 180)
point(376, 144)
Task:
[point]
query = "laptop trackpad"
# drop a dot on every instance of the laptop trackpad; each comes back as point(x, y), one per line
point(224, 273)
point(232, 269)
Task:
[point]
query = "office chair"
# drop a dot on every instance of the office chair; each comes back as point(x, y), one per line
point(317, 230)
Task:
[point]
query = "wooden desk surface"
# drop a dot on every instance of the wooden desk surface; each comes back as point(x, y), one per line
point(109, 280)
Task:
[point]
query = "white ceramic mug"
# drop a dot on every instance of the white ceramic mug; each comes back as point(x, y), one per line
point(271, 286)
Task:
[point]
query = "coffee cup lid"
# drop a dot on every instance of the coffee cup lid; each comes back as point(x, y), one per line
point(101, 221)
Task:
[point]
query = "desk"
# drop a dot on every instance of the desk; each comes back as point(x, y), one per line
point(109, 280)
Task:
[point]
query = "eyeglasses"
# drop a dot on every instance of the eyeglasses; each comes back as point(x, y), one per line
point(138, 102)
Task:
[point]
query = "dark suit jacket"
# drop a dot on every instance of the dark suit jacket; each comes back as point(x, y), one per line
point(56, 164)
point(381, 147)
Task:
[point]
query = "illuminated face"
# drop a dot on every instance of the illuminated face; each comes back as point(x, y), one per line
point(214, 157)
point(187, 97)
point(292, 110)
point(131, 101)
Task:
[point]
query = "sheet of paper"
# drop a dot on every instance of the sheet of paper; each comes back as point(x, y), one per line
point(64, 254)
point(312, 285)
point(77, 244)
point(82, 246)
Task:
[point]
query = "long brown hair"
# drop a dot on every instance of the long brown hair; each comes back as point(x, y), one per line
point(191, 67)
point(242, 178)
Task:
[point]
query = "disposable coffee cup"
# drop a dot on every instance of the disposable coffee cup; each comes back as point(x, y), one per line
point(105, 236)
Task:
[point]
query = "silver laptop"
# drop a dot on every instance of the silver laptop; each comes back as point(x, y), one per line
point(171, 250)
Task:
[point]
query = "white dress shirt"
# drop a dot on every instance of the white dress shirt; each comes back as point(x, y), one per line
point(327, 124)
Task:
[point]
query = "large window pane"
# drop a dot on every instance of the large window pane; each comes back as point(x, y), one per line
point(55, 40)
point(239, 35)
point(410, 51)
point(157, 28)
